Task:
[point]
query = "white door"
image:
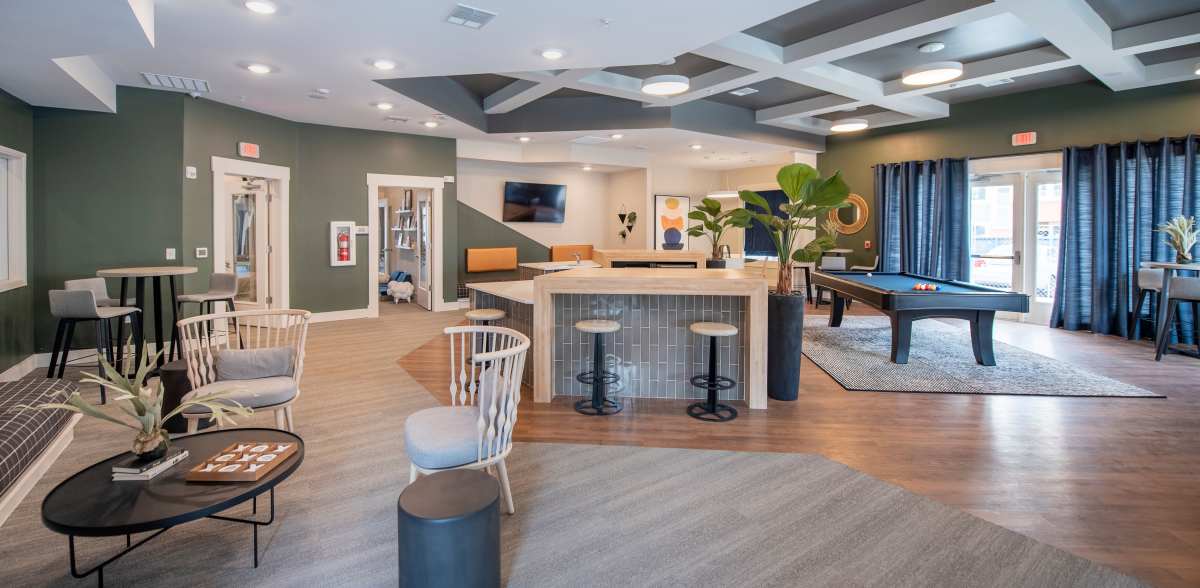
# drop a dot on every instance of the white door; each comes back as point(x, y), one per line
point(1015, 226)
point(424, 249)
point(247, 243)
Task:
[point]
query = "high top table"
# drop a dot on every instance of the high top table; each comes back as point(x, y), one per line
point(139, 275)
point(1169, 269)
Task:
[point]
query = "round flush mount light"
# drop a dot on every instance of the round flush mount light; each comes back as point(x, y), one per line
point(931, 47)
point(524, 139)
point(259, 68)
point(587, 168)
point(932, 73)
point(383, 105)
point(553, 54)
point(696, 146)
point(261, 6)
point(430, 124)
point(848, 125)
point(1197, 72)
point(665, 85)
point(383, 64)
point(616, 136)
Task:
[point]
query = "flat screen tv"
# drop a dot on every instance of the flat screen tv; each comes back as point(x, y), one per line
point(534, 203)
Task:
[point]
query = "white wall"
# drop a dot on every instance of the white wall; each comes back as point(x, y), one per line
point(628, 188)
point(681, 181)
point(481, 186)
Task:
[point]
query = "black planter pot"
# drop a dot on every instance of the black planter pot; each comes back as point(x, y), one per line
point(714, 263)
point(785, 339)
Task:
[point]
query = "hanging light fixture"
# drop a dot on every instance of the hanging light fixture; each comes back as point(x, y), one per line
point(848, 125)
point(932, 73)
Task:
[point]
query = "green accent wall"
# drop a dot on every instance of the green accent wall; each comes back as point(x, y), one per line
point(106, 194)
point(1078, 114)
point(478, 230)
point(16, 306)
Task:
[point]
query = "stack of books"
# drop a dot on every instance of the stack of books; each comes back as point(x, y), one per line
point(133, 469)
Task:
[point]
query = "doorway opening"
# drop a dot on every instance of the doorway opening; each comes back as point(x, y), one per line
point(1015, 226)
point(405, 241)
point(250, 231)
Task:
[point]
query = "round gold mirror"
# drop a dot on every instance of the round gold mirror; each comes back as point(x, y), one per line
point(850, 219)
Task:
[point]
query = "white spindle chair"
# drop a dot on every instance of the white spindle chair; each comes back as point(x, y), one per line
point(475, 431)
point(244, 329)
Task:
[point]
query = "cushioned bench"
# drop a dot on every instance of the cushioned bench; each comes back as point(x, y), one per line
point(30, 440)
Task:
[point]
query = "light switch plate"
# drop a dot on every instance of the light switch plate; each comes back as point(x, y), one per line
point(448, 179)
point(202, 253)
point(361, 230)
point(189, 172)
point(170, 253)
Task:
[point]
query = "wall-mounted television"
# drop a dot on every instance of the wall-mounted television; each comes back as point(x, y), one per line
point(525, 202)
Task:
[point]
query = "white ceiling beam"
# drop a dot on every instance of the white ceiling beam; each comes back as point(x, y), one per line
point(1074, 27)
point(1161, 34)
point(593, 80)
point(723, 79)
point(1170, 72)
point(805, 108)
point(1013, 65)
point(84, 71)
point(516, 95)
point(823, 126)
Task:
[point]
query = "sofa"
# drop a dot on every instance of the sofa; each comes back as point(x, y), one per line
point(30, 439)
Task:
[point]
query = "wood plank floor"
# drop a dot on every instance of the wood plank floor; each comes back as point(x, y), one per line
point(1114, 480)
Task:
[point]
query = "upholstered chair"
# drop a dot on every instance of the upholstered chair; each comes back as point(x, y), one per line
point(71, 307)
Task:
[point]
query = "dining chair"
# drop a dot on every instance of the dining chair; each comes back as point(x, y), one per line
point(71, 307)
point(1182, 290)
point(866, 268)
point(475, 431)
point(98, 287)
point(260, 366)
point(1148, 280)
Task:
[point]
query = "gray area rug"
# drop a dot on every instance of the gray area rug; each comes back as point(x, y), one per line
point(857, 354)
point(628, 516)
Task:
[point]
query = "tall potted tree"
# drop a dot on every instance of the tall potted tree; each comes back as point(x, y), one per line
point(809, 196)
point(713, 223)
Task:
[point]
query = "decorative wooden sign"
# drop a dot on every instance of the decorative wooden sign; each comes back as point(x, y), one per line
point(242, 462)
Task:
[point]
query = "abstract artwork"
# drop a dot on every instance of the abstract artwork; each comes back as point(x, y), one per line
point(670, 222)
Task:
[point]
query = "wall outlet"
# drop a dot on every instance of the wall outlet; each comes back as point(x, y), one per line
point(189, 172)
point(866, 244)
point(170, 254)
point(202, 253)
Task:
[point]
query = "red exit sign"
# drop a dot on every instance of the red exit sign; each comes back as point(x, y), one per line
point(1025, 138)
point(250, 150)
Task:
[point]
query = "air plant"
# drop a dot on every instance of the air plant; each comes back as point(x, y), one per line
point(143, 404)
point(1181, 235)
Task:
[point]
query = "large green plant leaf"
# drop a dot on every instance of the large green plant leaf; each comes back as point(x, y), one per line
point(699, 215)
point(755, 199)
point(710, 205)
point(831, 192)
point(792, 179)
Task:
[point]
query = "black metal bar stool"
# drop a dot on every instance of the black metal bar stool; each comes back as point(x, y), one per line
point(485, 317)
point(599, 378)
point(76, 306)
point(711, 410)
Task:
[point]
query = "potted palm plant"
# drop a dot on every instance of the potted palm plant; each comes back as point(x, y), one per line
point(713, 224)
point(144, 405)
point(809, 196)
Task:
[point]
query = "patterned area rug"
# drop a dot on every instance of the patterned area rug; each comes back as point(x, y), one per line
point(857, 353)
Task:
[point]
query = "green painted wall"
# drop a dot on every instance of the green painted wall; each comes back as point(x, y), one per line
point(106, 193)
point(16, 306)
point(476, 229)
point(1078, 114)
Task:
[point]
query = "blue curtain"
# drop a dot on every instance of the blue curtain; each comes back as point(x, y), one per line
point(923, 218)
point(1113, 198)
point(756, 239)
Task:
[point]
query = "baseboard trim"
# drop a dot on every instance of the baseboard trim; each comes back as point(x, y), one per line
point(340, 315)
point(21, 369)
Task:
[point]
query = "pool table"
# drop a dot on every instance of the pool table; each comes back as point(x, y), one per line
point(892, 293)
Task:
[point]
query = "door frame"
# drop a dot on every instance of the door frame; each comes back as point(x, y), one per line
point(435, 183)
point(277, 220)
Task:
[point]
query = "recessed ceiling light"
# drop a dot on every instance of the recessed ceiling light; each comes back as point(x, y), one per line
point(665, 85)
point(317, 95)
point(524, 139)
point(259, 68)
point(1198, 69)
point(848, 125)
point(587, 168)
point(383, 105)
point(743, 91)
point(931, 47)
point(616, 136)
point(696, 146)
point(932, 73)
point(383, 64)
point(553, 54)
point(322, 91)
point(261, 6)
point(430, 124)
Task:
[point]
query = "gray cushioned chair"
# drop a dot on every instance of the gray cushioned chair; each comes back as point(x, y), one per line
point(98, 287)
point(1182, 290)
point(71, 307)
point(1148, 280)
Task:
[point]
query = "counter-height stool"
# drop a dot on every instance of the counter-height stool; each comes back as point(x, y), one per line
point(599, 378)
point(485, 316)
point(222, 287)
point(76, 306)
point(98, 287)
point(1181, 290)
point(1148, 280)
point(711, 410)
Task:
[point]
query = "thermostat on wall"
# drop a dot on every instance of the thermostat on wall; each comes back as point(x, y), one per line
point(202, 253)
point(361, 230)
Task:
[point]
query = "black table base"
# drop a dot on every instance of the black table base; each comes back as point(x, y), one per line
point(981, 321)
point(155, 318)
point(98, 569)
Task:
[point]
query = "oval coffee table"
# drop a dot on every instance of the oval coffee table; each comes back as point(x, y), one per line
point(90, 504)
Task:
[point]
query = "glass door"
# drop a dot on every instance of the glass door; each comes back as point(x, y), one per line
point(1015, 228)
point(424, 245)
point(248, 244)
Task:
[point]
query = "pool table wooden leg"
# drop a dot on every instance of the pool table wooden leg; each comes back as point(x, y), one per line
point(981, 337)
point(901, 336)
point(838, 304)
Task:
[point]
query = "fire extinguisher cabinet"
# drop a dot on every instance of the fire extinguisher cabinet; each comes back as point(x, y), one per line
point(341, 243)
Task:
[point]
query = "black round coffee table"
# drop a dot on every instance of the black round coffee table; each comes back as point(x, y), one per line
point(90, 504)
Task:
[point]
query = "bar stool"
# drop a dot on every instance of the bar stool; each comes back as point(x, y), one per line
point(711, 410)
point(1148, 280)
point(222, 287)
point(485, 316)
point(76, 306)
point(1182, 290)
point(599, 378)
point(100, 288)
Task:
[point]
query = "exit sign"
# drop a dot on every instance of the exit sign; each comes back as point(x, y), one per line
point(250, 150)
point(1025, 138)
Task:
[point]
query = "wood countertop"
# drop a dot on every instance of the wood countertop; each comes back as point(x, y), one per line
point(558, 265)
point(670, 281)
point(517, 291)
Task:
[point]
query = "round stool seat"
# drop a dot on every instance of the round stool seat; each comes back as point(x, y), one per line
point(449, 530)
point(598, 326)
point(713, 329)
point(485, 314)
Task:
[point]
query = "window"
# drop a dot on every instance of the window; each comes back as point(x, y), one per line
point(12, 219)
